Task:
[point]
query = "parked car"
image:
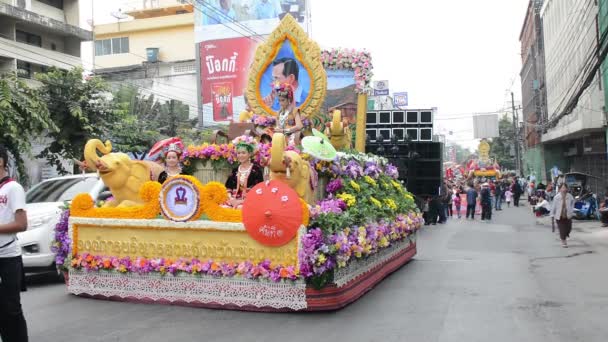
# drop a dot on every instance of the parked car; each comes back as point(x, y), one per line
point(43, 204)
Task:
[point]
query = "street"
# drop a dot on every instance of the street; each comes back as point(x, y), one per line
point(508, 280)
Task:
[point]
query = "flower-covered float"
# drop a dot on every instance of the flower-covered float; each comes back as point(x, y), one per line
point(318, 233)
point(483, 166)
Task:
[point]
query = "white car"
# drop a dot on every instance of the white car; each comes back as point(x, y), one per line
point(43, 204)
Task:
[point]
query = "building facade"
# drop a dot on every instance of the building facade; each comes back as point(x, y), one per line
point(36, 35)
point(153, 51)
point(574, 137)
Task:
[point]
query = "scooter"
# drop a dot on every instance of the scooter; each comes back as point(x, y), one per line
point(585, 207)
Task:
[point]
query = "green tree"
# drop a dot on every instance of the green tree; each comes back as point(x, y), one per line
point(80, 107)
point(23, 116)
point(502, 146)
point(136, 128)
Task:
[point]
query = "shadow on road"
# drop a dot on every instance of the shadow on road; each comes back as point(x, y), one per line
point(42, 279)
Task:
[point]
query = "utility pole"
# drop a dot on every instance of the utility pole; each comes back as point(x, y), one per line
point(516, 135)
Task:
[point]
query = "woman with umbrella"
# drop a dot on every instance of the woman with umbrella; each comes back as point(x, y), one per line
point(168, 151)
point(289, 121)
point(247, 174)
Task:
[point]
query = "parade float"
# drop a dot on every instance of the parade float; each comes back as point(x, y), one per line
point(317, 234)
point(482, 166)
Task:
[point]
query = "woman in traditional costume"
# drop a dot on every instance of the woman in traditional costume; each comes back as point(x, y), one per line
point(289, 121)
point(246, 175)
point(170, 156)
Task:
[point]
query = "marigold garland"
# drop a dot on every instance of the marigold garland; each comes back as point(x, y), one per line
point(212, 195)
point(83, 205)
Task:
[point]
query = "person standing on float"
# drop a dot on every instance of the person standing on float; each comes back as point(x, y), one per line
point(13, 219)
point(289, 121)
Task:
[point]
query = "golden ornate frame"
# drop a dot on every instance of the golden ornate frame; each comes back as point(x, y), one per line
point(307, 52)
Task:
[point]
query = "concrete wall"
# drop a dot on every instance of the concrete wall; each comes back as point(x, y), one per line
point(71, 11)
point(48, 11)
point(175, 44)
point(534, 163)
point(587, 116)
point(570, 37)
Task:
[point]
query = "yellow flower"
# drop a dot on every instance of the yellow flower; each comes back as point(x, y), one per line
point(390, 203)
point(321, 259)
point(348, 199)
point(375, 202)
point(355, 185)
point(369, 180)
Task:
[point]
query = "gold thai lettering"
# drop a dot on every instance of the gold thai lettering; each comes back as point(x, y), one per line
point(216, 246)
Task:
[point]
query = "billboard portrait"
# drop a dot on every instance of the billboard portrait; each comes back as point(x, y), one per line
point(218, 19)
point(285, 67)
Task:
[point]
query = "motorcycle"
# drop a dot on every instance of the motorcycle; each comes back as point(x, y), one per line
point(586, 207)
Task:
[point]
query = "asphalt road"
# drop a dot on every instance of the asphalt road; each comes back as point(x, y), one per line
point(508, 280)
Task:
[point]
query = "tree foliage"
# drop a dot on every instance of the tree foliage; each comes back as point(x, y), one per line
point(82, 108)
point(143, 120)
point(502, 146)
point(23, 116)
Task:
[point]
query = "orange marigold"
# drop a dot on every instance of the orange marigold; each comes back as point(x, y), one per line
point(149, 191)
point(82, 202)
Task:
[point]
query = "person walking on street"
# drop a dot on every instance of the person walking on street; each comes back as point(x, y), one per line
point(562, 211)
point(434, 206)
point(517, 191)
point(486, 202)
point(425, 211)
point(450, 197)
point(471, 202)
point(457, 202)
point(13, 219)
point(508, 197)
point(498, 194)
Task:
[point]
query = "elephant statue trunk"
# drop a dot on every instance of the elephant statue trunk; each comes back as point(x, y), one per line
point(338, 132)
point(277, 153)
point(91, 157)
point(290, 168)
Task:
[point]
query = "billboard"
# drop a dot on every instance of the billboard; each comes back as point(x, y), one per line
point(380, 88)
point(485, 126)
point(224, 66)
point(400, 99)
point(221, 19)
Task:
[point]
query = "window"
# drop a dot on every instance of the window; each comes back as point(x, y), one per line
point(60, 190)
point(54, 3)
point(111, 46)
point(29, 38)
point(24, 69)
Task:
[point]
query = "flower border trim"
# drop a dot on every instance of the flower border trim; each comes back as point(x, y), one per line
point(358, 267)
point(205, 290)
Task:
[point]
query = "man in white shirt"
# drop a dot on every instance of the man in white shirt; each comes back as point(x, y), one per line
point(13, 219)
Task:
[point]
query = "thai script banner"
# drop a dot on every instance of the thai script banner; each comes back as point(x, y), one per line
point(175, 243)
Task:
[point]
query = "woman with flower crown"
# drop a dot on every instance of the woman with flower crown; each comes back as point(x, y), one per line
point(289, 121)
point(247, 174)
point(170, 156)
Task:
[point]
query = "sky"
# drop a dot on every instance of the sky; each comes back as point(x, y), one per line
point(462, 57)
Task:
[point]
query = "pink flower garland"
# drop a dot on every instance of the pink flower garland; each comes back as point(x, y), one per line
point(246, 269)
point(350, 59)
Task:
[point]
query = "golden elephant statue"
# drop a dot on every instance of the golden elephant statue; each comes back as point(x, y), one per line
point(338, 132)
point(119, 173)
point(289, 167)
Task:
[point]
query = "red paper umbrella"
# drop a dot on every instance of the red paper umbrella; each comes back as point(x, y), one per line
point(272, 213)
point(157, 150)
